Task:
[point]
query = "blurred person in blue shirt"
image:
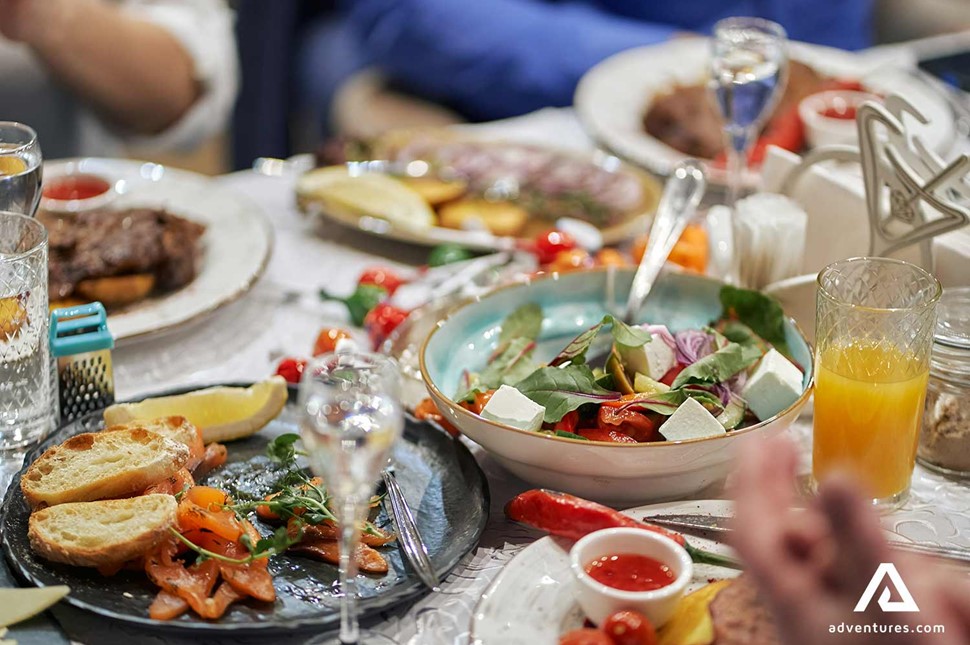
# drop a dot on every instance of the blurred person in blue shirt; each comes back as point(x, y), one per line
point(490, 59)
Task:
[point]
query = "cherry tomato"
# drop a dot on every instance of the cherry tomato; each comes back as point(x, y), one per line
point(585, 637)
point(632, 423)
point(668, 378)
point(428, 411)
point(568, 423)
point(382, 320)
point(327, 340)
point(628, 627)
point(381, 277)
point(291, 369)
point(610, 435)
point(571, 260)
point(551, 243)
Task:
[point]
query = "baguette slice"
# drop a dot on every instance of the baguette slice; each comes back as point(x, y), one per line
point(101, 465)
point(178, 429)
point(106, 532)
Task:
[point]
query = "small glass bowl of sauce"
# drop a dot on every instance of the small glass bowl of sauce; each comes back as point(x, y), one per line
point(75, 192)
point(629, 568)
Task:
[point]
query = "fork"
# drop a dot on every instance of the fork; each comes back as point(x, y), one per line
point(411, 541)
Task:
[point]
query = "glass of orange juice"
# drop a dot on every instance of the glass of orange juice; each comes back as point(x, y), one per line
point(875, 319)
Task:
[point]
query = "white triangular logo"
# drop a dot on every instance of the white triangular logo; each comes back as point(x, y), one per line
point(907, 603)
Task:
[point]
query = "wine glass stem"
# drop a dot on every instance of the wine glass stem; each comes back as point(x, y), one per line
point(349, 538)
point(738, 147)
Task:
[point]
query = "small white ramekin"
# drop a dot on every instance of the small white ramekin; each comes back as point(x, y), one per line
point(821, 130)
point(71, 206)
point(599, 600)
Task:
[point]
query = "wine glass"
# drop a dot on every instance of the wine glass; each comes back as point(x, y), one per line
point(21, 168)
point(748, 74)
point(351, 416)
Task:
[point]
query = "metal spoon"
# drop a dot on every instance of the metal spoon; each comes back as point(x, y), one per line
point(682, 194)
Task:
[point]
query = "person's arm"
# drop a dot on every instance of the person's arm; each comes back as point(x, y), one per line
point(134, 73)
point(493, 59)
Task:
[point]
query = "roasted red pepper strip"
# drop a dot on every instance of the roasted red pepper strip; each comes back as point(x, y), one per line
point(572, 517)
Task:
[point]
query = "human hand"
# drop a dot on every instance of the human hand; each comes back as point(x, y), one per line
point(814, 564)
point(27, 20)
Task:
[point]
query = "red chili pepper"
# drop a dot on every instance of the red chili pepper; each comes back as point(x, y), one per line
point(291, 369)
point(381, 277)
point(382, 320)
point(572, 517)
point(604, 434)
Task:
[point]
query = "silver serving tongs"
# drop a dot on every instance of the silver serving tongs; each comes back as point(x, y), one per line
point(682, 194)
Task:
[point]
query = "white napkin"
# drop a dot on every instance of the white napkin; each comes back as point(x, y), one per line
point(838, 222)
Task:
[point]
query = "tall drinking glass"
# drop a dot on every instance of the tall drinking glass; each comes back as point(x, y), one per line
point(21, 168)
point(351, 416)
point(875, 320)
point(749, 69)
point(27, 405)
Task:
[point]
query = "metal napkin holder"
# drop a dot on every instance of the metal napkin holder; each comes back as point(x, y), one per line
point(81, 346)
point(912, 195)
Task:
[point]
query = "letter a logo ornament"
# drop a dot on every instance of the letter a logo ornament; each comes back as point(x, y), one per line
point(906, 602)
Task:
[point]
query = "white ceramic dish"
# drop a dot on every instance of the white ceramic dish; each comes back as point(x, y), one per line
point(237, 241)
point(599, 601)
point(613, 96)
point(532, 600)
point(622, 474)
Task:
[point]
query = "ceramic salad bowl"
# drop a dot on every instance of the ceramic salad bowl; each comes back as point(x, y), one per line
point(572, 303)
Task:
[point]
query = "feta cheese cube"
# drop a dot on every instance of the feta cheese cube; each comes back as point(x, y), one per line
point(511, 407)
point(773, 386)
point(691, 421)
point(653, 359)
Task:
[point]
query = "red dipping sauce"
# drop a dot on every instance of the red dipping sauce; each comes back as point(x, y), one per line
point(630, 572)
point(73, 187)
point(846, 112)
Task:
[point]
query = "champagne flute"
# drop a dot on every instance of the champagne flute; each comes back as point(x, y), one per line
point(748, 74)
point(351, 416)
point(21, 168)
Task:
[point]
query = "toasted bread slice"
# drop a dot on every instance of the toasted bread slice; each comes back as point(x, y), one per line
point(101, 465)
point(177, 429)
point(106, 532)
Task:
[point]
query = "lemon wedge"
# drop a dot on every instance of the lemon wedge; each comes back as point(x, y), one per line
point(370, 194)
point(20, 604)
point(222, 413)
point(12, 166)
point(13, 316)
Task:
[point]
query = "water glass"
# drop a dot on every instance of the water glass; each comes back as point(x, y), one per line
point(875, 320)
point(21, 168)
point(351, 417)
point(27, 401)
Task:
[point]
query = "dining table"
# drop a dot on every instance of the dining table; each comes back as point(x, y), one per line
point(281, 315)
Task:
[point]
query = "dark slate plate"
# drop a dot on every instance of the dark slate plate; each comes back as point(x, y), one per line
point(443, 483)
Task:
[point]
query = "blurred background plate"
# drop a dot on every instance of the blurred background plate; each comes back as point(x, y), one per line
point(613, 96)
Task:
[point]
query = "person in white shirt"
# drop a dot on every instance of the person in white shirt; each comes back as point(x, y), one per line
point(92, 76)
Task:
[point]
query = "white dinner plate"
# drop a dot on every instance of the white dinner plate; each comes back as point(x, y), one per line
point(236, 244)
point(531, 601)
point(613, 96)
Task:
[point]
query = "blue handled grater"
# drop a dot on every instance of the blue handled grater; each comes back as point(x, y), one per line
point(81, 345)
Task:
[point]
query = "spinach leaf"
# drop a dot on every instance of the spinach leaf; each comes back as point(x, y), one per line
point(563, 389)
point(719, 366)
point(570, 435)
point(761, 313)
point(666, 403)
point(512, 365)
point(524, 322)
point(623, 334)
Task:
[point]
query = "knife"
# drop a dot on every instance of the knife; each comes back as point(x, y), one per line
point(720, 525)
point(407, 529)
